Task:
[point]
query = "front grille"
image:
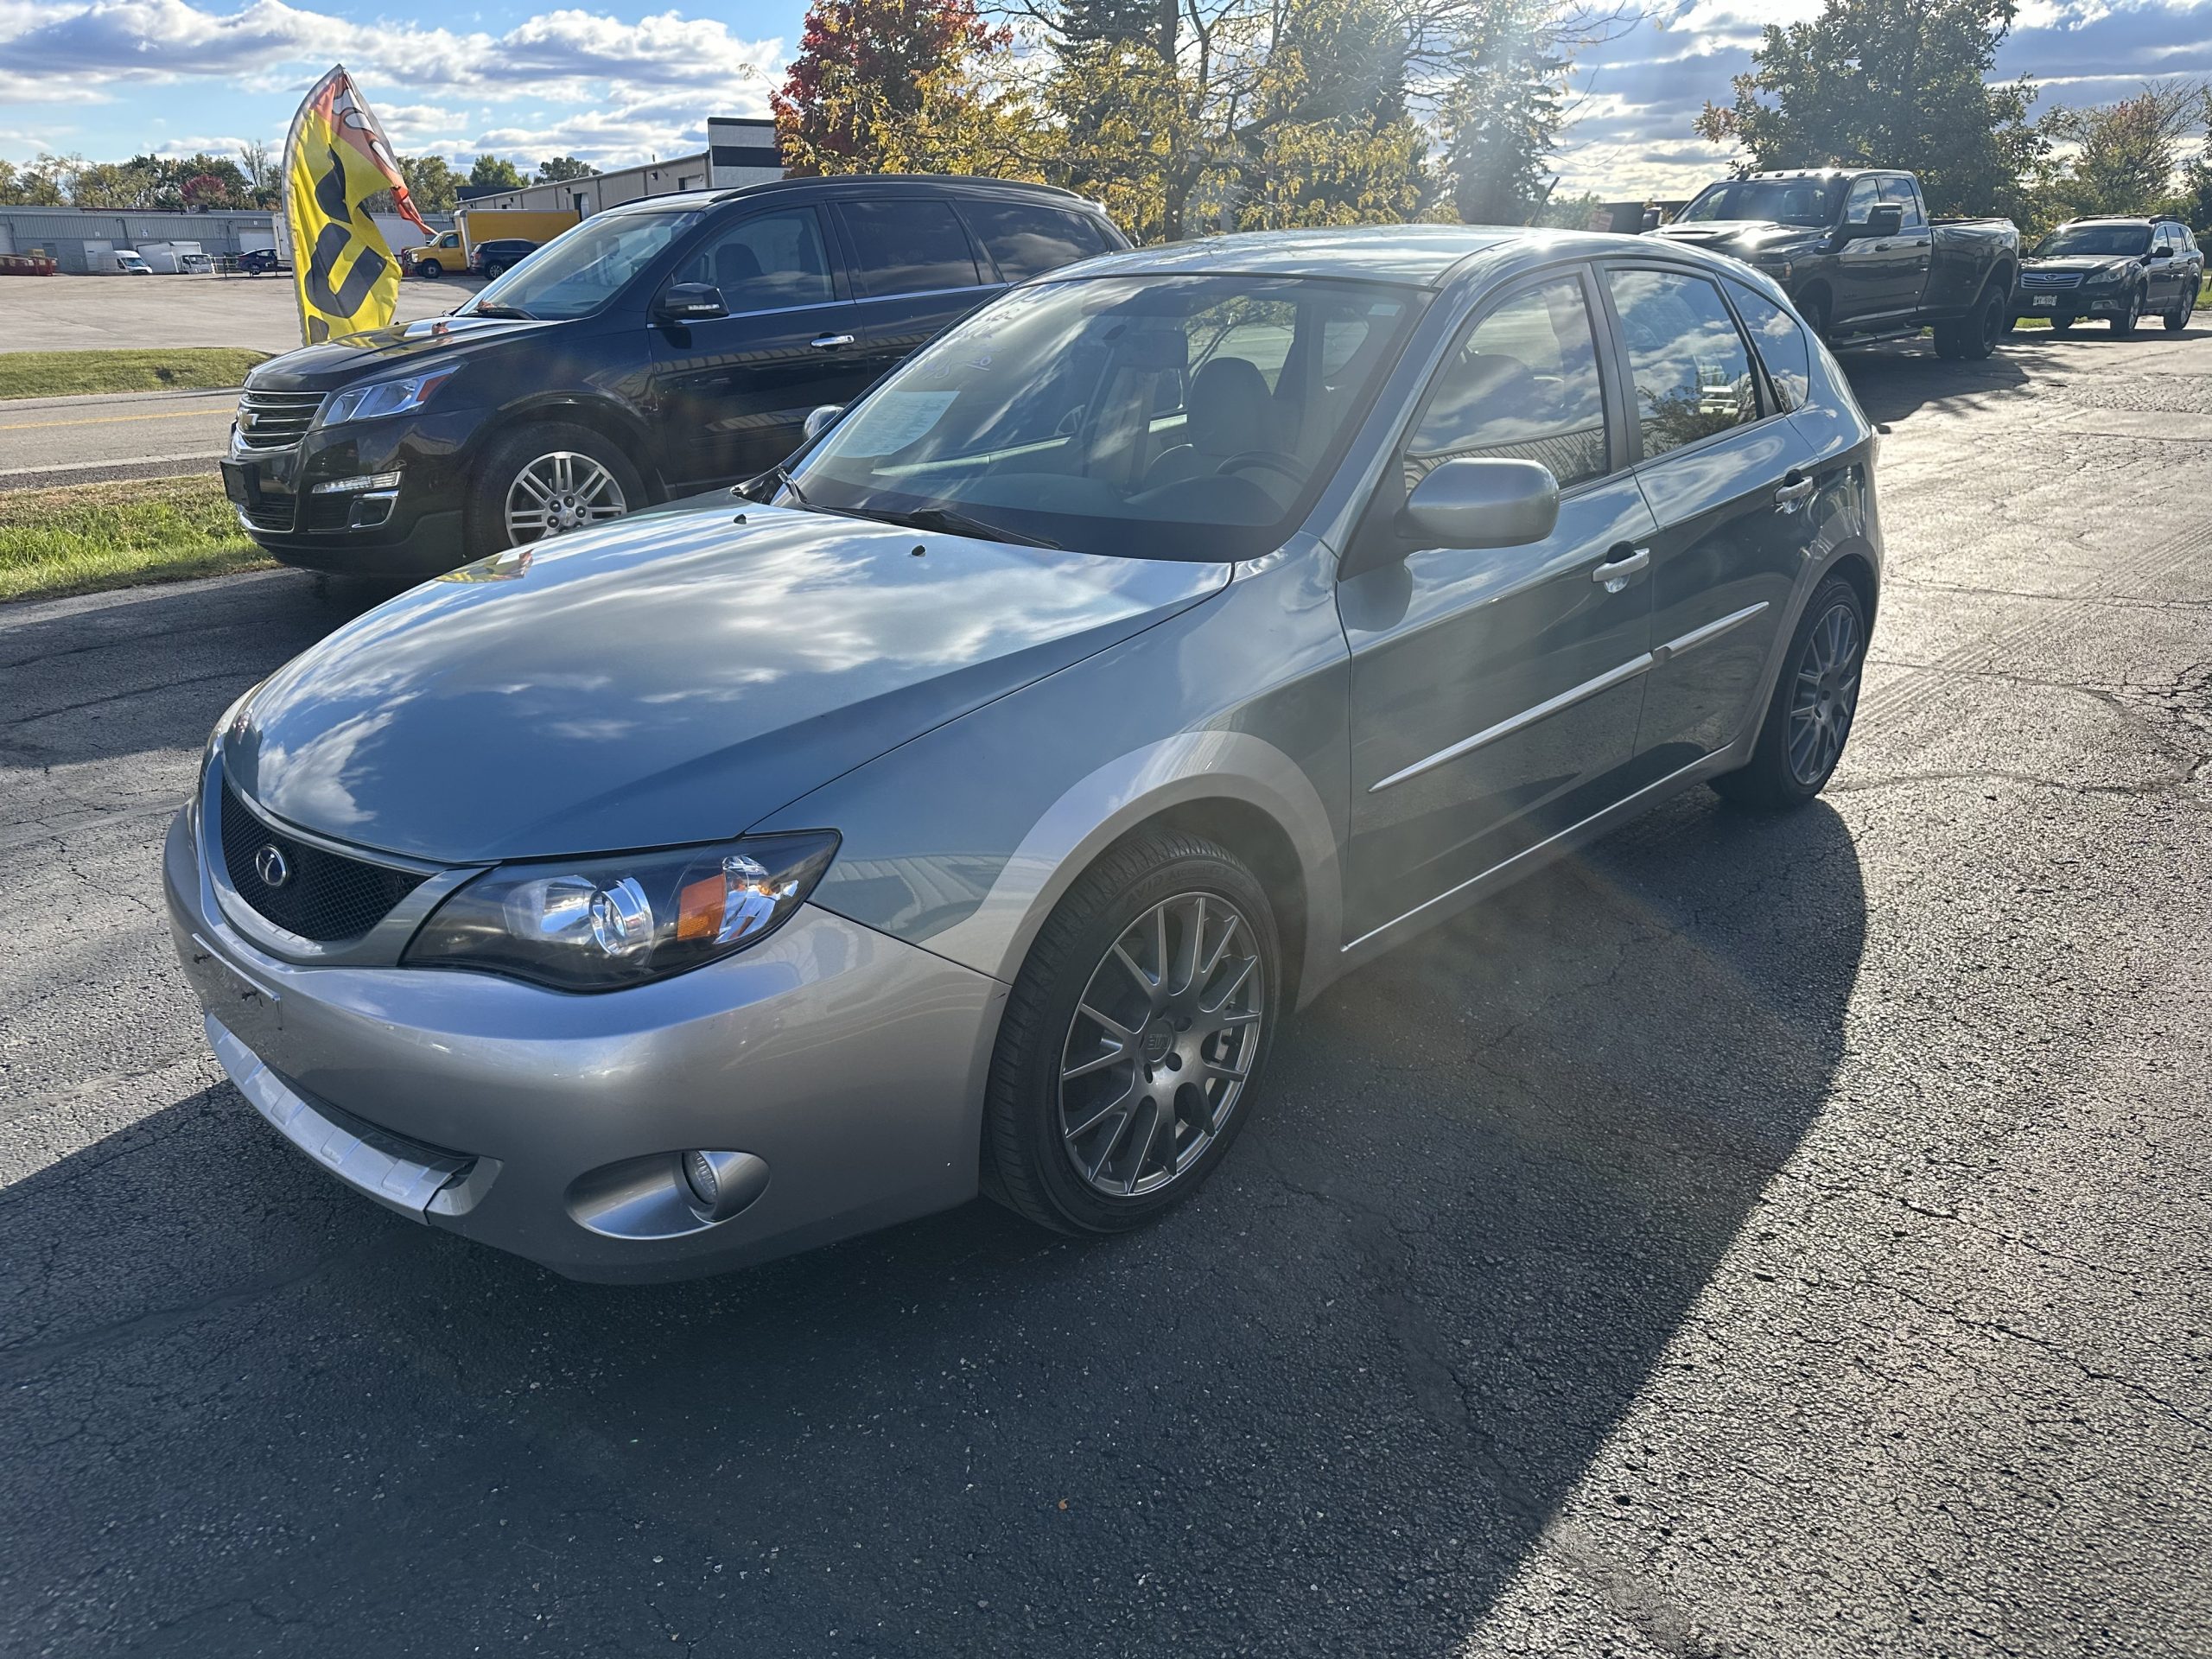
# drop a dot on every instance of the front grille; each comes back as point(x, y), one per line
point(322, 896)
point(276, 420)
point(2051, 279)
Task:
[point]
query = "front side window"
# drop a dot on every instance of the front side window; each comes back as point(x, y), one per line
point(584, 268)
point(908, 246)
point(1523, 385)
point(1781, 345)
point(765, 263)
point(1899, 194)
point(1172, 417)
point(1865, 193)
point(1692, 372)
point(1027, 240)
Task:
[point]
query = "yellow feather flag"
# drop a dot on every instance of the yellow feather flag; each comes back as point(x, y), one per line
point(336, 158)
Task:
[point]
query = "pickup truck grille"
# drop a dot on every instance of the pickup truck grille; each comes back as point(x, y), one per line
point(2051, 279)
point(276, 420)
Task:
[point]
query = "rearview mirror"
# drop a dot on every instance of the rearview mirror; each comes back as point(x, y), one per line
point(1482, 503)
point(819, 421)
point(691, 303)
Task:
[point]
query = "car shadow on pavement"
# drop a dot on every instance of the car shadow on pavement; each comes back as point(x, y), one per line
point(1329, 1406)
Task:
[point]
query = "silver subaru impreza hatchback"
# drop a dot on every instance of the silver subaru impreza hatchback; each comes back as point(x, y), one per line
point(1174, 634)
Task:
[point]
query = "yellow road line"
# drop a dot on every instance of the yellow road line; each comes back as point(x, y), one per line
point(112, 420)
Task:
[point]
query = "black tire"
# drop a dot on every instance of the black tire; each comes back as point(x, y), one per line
point(2184, 308)
point(484, 518)
point(2123, 323)
point(1815, 310)
point(1970, 337)
point(1771, 781)
point(1030, 1155)
point(429, 269)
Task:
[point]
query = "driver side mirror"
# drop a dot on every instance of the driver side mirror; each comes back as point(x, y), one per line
point(820, 420)
point(1482, 503)
point(1884, 218)
point(691, 303)
point(2158, 253)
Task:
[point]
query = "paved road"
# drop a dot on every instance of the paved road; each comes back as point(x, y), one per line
point(132, 435)
point(70, 313)
point(1754, 1238)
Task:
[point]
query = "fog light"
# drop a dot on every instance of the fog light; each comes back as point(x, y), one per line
point(364, 482)
point(723, 1183)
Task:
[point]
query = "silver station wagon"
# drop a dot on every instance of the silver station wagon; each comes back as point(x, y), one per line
point(969, 807)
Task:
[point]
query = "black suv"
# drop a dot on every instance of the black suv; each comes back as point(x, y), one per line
point(493, 259)
point(2119, 270)
point(657, 350)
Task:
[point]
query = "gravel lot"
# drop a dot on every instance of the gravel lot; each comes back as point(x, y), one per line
point(1753, 1238)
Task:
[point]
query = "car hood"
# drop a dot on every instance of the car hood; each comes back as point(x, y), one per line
point(670, 678)
point(2079, 262)
point(1738, 236)
point(379, 352)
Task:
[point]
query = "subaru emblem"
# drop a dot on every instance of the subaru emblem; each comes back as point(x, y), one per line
point(271, 865)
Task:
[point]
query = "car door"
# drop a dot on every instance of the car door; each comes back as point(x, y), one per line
point(1495, 692)
point(915, 273)
point(2165, 269)
point(1914, 245)
point(1874, 277)
point(1728, 479)
point(731, 394)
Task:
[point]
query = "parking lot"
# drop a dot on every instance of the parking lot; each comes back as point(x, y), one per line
point(76, 313)
point(1753, 1237)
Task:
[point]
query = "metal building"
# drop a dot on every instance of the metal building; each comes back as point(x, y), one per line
point(739, 150)
point(76, 235)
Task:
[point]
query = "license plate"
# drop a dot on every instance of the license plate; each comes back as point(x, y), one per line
point(239, 482)
point(2049, 300)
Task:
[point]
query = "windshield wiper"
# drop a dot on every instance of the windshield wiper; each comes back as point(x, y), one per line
point(496, 311)
point(780, 474)
point(954, 523)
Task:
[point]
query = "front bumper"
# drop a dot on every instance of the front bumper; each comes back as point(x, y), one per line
point(2071, 304)
point(550, 1125)
point(417, 533)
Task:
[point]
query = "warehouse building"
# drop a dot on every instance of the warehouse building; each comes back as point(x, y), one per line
point(79, 239)
point(739, 150)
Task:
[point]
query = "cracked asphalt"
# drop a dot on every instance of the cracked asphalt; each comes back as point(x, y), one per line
point(1754, 1237)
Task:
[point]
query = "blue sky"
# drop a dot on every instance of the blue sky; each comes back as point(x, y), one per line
point(109, 77)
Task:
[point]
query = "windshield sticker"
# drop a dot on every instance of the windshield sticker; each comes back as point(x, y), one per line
point(894, 419)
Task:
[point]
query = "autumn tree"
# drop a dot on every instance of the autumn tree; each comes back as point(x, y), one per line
point(2121, 158)
point(870, 72)
point(1888, 83)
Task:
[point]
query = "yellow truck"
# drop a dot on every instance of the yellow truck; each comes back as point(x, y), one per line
point(447, 254)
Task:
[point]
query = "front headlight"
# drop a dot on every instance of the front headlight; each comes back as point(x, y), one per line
point(599, 924)
point(381, 398)
point(2104, 278)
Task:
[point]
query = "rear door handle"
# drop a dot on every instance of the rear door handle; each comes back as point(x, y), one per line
point(1796, 490)
point(830, 342)
point(1614, 574)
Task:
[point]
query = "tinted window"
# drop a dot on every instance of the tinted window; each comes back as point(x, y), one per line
point(1025, 239)
point(1524, 385)
point(1785, 201)
point(1692, 373)
point(775, 260)
point(1781, 345)
point(1901, 191)
point(1865, 193)
point(909, 247)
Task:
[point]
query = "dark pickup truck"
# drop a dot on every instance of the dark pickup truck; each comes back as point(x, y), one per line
point(1858, 255)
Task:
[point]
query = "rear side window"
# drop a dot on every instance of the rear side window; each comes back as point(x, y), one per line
point(1025, 239)
point(1523, 385)
point(908, 246)
point(1781, 342)
point(1692, 371)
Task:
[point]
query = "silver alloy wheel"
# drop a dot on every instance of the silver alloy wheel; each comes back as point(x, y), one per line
point(1826, 697)
point(563, 491)
point(1162, 1042)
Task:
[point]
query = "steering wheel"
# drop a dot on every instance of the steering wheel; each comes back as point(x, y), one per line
point(1273, 460)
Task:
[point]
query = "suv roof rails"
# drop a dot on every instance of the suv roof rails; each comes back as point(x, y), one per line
point(863, 181)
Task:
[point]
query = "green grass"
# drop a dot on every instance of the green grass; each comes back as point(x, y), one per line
point(70, 374)
point(88, 536)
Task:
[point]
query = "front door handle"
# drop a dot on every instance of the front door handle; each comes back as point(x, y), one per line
point(830, 342)
point(1796, 490)
point(1614, 574)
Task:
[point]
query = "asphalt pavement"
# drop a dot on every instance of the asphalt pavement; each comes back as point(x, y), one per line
point(1756, 1236)
point(73, 314)
point(50, 440)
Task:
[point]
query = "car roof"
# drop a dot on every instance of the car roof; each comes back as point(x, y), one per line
point(1829, 172)
point(1422, 256)
point(892, 184)
point(2111, 219)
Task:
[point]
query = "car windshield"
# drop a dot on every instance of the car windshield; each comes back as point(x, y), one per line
point(1783, 201)
point(581, 269)
point(1170, 417)
point(2124, 240)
